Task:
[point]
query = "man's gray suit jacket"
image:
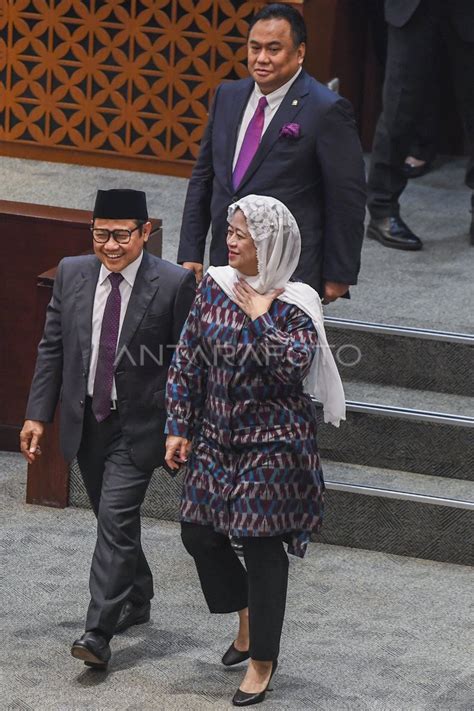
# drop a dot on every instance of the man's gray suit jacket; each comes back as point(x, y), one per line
point(159, 304)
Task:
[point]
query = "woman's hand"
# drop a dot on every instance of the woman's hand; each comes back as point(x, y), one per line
point(251, 302)
point(177, 450)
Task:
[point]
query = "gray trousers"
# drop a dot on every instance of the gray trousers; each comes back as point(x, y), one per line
point(116, 489)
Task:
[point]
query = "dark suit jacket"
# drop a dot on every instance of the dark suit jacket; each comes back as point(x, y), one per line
point(159, 304)
point(319, 176)
point(399, 12)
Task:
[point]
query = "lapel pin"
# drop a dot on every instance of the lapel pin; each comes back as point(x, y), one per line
point(294, 102)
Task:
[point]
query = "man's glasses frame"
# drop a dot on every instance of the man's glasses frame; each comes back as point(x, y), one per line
point(101, 235)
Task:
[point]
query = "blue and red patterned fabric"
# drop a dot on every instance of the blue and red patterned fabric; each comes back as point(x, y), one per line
point(235, 389)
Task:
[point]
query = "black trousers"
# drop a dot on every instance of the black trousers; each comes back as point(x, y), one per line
point(228, 587)
point(116, 489)
point(412, 54)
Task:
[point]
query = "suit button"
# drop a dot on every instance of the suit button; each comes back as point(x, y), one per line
point(81, 403)
point(235, 198)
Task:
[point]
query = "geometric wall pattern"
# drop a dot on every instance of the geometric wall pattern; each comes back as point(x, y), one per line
point(132, 78)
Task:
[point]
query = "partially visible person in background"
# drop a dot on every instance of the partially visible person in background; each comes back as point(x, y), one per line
point(414, 31)
point(423, 146)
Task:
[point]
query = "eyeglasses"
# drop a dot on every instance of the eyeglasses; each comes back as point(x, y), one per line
point(102, 235)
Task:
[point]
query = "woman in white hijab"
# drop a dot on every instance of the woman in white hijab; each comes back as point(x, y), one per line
point(252, 354)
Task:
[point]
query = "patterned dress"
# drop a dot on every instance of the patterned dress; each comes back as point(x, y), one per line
point(235, 389)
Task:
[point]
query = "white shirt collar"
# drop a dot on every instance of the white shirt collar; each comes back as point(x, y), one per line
point(129, 273)
point(277, 96)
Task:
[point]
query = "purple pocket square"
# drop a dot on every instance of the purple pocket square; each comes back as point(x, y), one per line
point(290, 130)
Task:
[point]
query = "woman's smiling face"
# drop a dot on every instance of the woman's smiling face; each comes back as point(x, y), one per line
point(242, 250)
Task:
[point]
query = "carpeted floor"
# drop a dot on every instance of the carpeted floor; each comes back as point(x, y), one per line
point(433, 288)
point(364, 631)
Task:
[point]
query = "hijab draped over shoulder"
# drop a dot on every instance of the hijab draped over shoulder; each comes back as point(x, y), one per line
point(278, 243)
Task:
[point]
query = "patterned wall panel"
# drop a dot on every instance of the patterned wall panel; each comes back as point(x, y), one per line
point(129, 80)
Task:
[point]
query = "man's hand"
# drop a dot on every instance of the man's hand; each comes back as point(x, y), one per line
point(195, 267)
point(333, 290)
point(177, 450)
point(251, 302)
point(30, 437)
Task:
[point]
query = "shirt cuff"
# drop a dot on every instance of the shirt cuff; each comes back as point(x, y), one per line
point(178, 428)
point(262, 324)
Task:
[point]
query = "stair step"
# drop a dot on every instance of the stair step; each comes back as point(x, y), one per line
point(424, 440)
point(419, 358)
point(398, 512)
point(396, 483)
point(448, 404)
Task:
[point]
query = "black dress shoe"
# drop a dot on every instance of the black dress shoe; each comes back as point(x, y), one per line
point(242, 698)
point(416, 171)
point(393, 232)
point(234, 656)
point(132, 615)
point(471, 232)
point(93, 649)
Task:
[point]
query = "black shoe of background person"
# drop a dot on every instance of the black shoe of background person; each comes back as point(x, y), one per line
point(472, 227)
point(416, 171)
point(393, 232)
point(93, 649)
point(132, 615)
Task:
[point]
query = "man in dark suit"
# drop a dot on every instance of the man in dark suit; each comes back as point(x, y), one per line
point(107, 344)
point(414, 30)
point(283, 134)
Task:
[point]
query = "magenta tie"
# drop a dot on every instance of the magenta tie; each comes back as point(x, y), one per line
point(251, 141)
point(107, 348)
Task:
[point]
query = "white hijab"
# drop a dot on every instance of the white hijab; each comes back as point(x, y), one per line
point(277, 239)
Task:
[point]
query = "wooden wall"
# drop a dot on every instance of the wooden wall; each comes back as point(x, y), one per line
point(120, 84)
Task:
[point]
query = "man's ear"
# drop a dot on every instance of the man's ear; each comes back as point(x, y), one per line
point(301, 53)
point(146, 229)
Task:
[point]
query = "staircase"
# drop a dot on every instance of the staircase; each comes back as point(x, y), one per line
point(400, 471)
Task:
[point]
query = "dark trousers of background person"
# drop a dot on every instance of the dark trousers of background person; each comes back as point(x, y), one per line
point(412, 54)
point(228, 587)
point(116, 489)
point(423, 143)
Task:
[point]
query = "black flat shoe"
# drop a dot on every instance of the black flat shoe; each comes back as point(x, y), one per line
point(393, 232)
point(132, 615)
point(242, 698)
point(93, 649)
point(234, 656)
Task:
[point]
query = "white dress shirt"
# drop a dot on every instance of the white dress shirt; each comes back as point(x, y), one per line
point(274, 100)
point(102, 291)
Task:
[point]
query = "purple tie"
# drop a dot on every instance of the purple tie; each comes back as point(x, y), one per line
point(107, 347)
point(251, 141)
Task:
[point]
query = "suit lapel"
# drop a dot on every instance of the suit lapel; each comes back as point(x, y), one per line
point(286, 113)
point(239, 102)
point(85, 292)
point(144, 289)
